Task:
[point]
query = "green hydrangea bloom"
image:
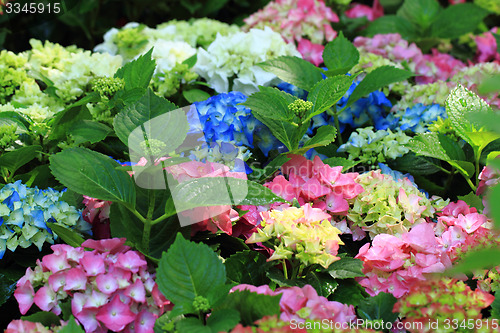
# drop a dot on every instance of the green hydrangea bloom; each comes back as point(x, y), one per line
point(12, 74)
point(107, 86)
point(7, 135)
point(372, 147)
point(168, 83)
point(24, 213)
point(389, 206)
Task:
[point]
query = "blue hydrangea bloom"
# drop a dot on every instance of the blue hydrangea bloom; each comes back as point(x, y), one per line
point(293, 90)
point(418, 117)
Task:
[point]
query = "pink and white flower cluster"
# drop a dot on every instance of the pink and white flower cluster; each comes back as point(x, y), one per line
point(110, 287)
point(303, 303)
point(306, 22)
point(393, 264)
point(428, 67)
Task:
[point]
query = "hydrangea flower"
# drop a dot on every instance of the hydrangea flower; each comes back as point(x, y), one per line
point(390, 207)
point(229, 63)
point(392, 264)
point(25, 326)
point(372, 147)
point(360, 10)
point(304, 234)
point(486, 45)
point(223, 118)
point(303, 303)
point(12, 74)
point(24, 213)
point(427, 303)
point(326, 187)
point(488, 178)
point(307, 22)
point(109, 287)
point(418, 117)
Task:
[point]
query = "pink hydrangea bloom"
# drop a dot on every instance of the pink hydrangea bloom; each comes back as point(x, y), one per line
point(296, 301)
point(109, 287)
point(96, 212)
point(393, 264)
point(310, 51)
point(486, 45)
point(488, 178)
point(360, 10)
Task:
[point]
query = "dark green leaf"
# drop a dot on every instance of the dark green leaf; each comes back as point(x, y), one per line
point(348, 292)
point(495, 306)
point(378, 308)
point(294, 70)
point(223, 320)
point(247, 267)
point(324, 136)
point(457, 20)
point(91, 173)
point(389, 24)
point(346, 268)
point(420, 12)
point(324, 284)
point(124, 224)
point(144, 112)
point(437, 146)
point(43, 317)
point(64, 120)
point(11, 117)
point(270, 103)
point(327, 93)
point(274, 165)
point(340, 55)
point(377, 79)
point(192, 325)
point(188, 270)
point(72, 327)
point(7, 288)
point(195, 95)
point(216, 191)
point(138, 73)
point(89, 131)
point(69, 236)
point(417, 165)
point(15, 159)
point(252, 306)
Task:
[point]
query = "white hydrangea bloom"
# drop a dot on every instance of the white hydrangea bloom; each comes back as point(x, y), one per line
point(168, 53)
point(234, 58)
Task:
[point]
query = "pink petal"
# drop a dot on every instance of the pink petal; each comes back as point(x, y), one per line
point(136, 291)
point(75, 280)
point(145, 322)
point(112, 245)
point(24, 295)
point(56, 262)
point(115, 315)
point(93, 264)
point(45, 298)
point(106, 283)
point(131, 261)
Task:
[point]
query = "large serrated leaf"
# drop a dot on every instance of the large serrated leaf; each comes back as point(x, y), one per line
point(15, 159)
point(91, 173)
point(327, 93)
point(138, 73)
point(346, 268)
point(89, 131)
point(457, 20)
point(188, 270)
point(437, 146)
point(420, 12)
point(247, 267)
point(270, 103)
point(324, 136)
point(377, 79)
point(389, 24)
point(340, 55)
point(460, 105)
point(378, 308)
point(294, 70)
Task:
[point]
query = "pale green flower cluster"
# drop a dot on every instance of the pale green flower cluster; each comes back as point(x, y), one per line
point(373, 147)
point(66, 73)
point(7, 135)
point(12, 74)
point(426, 94)
point(25, 211)
point(229, 63)
point(390, 207)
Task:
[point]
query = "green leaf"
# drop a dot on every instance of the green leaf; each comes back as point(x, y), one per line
point(195, 95)
point(72, 327)
point(324, 136)
point(12, 117)
point(472, 200)
point(327, 93)
point(247, 267)
point(91, 173)
point(138, 73)
point(68, 236)
point(480, 259)
point(437, 146)
point(44, 317)
point(339, 161)
point(217, 191)
point(346, 268)
point(274, 165)
point(124, 224)
point(64, 120)
point(7, 288)
point(464, 167)
point(495, 306)
point(460, 105)
point(15, 159)
point(89, 131)
point(191, 61)
point(482, 138)
point(420, 12)
point(223, 320)
point(377, 79)
point(389, 24)
point(493, 200)
point(192, 325)
point(378, 308)
point(270, 103)
point(252, 306)
point(489, 84)
point(170, 127)
point(323, 283)
point(294, 70)
point(417, 165)
point(340, 55)
point(457, 20)
point(188, 270)
point(348, 292)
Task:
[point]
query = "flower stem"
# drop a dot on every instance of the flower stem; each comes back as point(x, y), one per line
point(337, 125)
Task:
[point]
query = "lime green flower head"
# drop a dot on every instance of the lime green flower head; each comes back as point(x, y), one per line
point(12, 74)
point(300, 233)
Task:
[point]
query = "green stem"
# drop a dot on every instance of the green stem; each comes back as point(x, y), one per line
point(478, 157)
point(148, 222)
point(284, 269)
point(472, 186)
